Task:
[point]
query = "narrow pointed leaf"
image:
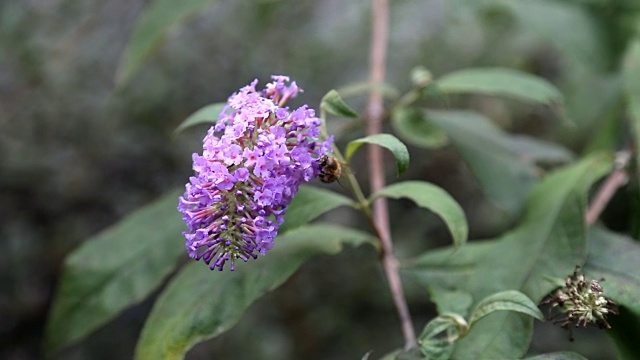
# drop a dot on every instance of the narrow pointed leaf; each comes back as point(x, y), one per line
point(433, 198)
point(115, 269)
point(309, 203)
point(205, 115)
point(501, 82)
point(510, 300)
point(334, 105)
point(158, 18)
point(200, 304)
point(387, 141)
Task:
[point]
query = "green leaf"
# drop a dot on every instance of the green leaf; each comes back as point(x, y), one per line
point(532, 150)
point(150, 31)
point(549, 241)
point(501, 335)
point(412, 125)
point(333, 104)
point(447, 268)
point(564, 355)
point(631, 76)
point(390, 142)
point(502, 82)
point(433, 198)
point(309, 203)
point(205, 115)
point(199, 304)
point(505, 176)
point(366, 87)
point(615, 258)
point(115, 269)
point(450, 301)
point(510, 300)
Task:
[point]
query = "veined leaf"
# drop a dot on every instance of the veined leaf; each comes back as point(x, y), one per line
point(502, 82)
point(390, 142)
point(114, 270)
point(431, 197)
point(510, 300)
point(199, 304)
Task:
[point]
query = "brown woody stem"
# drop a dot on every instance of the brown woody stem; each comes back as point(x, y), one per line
point(375, 113)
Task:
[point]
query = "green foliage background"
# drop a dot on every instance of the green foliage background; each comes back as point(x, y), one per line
point(87, 136)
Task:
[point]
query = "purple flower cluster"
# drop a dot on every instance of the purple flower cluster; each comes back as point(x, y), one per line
point(253, 162)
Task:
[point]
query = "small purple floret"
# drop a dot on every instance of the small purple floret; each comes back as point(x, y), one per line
point(252, 163)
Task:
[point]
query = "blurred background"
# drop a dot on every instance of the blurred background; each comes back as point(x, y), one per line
point(78, 151)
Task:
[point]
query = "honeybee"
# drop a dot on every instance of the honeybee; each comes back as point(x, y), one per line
point(330, 169)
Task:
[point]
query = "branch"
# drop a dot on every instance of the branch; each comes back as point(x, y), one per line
point(615, 180)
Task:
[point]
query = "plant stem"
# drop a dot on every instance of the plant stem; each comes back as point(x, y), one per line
point(375, 112)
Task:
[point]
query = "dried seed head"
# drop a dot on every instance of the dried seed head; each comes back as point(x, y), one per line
point(580, 304)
